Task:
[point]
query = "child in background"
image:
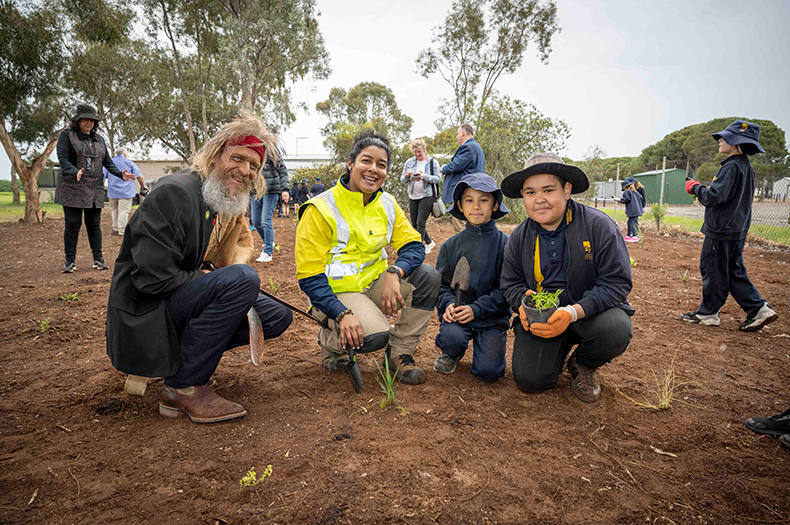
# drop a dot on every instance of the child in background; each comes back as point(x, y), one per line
point(634, 208)
point(483, 315)
point(728, 215)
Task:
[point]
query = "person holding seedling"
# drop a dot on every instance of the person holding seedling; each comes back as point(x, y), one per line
point(341, 264)
point(482, 314)
point(728, 215)
point(577, 253)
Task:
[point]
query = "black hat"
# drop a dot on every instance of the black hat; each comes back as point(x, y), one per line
point(479, 182)
point(85, 111)
point(744, 134)
point(545, 163)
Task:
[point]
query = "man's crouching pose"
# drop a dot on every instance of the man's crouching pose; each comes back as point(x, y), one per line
point(165, 316)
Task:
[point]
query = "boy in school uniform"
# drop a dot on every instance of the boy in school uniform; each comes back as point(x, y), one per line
point(567, 246)
point(728, 215)
point(483, 314)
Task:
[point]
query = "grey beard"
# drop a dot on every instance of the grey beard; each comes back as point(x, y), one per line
point(216, 196)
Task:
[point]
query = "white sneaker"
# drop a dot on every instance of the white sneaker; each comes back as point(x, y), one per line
point(763, 316)
point(429, 247)
point(265, 257)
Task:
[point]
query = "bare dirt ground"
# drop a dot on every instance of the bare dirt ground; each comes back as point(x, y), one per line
point(75, 449)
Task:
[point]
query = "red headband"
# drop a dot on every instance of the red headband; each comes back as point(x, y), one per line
point(250, 141)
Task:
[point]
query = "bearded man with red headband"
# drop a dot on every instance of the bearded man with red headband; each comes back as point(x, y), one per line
point(166, 317)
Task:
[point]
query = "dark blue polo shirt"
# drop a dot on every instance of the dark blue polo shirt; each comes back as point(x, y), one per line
point(554, 259)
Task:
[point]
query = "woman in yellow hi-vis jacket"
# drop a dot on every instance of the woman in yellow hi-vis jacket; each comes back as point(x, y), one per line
point(341, 264)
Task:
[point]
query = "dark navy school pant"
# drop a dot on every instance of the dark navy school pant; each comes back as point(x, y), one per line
point(210, 316)
point(537, 362)
point(723, 273)
point(490, 345)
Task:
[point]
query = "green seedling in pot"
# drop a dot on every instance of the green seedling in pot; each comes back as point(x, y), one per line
point(546, 300)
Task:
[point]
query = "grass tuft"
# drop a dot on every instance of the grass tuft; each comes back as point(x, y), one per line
point(386, 381)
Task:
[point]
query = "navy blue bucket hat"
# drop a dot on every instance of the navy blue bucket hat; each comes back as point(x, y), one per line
point(744, 134)
point(479, 182)
point(626, 182)
point(85, 111)
point(545, 163)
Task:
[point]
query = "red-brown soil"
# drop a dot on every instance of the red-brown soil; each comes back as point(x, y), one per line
point(75, 449)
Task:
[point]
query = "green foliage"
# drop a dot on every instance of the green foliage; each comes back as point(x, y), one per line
point(252, 478)
point(544, 300)
point(512, 130)
point(43, 325)
point(386, 380)
point(272, 285)
point(366, 105)
point(5, 186)
point(685, 274)
point(478, 42)
point(70, 297)
point(326, 171)
point(633, 262)
point(31, 65)
point(658, 211)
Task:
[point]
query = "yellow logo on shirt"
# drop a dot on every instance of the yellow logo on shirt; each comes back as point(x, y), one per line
point(744, 127)
point(587, 250)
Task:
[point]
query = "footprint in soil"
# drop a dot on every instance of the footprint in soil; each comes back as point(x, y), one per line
point(113, 406)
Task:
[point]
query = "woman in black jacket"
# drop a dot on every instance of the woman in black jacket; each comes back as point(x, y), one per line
point(80, 187)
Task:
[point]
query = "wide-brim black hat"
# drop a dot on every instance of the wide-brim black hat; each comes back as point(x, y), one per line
point(545, 163)
point(85, 111)
point(479, 182)
point(744, 134)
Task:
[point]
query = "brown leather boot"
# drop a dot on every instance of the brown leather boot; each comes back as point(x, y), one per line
point(200, 403)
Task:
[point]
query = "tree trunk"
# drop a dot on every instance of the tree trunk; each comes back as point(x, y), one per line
point(14, 186)
point(180, 75)
point(28, 174)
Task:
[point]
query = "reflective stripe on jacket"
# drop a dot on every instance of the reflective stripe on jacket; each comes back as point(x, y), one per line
point(359, 235)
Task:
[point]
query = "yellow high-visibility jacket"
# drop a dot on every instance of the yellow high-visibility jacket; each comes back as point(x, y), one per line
point(339, 236)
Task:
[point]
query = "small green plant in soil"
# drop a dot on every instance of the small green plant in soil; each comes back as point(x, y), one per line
point(43, 325)
point(252, 478)
point(658, 211)
point(386, 381)
point(70, 297)
point(633, 262)
point(545, 300)
point(685, 274)
point(272, 285)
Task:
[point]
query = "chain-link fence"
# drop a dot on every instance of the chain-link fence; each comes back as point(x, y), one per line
point(770, 215)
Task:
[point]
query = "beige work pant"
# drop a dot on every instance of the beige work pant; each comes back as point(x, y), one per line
point(404, 335)
point(120, 209)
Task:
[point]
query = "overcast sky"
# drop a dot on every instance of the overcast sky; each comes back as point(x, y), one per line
point(622, 74)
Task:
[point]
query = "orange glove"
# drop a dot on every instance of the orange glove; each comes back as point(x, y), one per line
point(522, 315)
point(557, 323)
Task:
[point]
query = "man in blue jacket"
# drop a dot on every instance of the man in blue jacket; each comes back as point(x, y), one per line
point(468, 158)
point(567, 246)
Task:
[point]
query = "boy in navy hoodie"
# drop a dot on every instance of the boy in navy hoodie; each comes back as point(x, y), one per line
point(567, 246)
point(483, 315)
point(728, 215)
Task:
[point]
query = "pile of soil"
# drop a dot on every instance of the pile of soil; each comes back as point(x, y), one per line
point(75, 449)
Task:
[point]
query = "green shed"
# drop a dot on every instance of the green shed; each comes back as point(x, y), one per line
point(48, 177)
point(674, 186)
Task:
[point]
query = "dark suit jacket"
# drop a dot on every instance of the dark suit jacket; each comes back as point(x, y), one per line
point(467, 159)
point(163, 248)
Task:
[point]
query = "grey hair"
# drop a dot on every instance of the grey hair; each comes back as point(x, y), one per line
point(467, 128)
point(120, 151)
